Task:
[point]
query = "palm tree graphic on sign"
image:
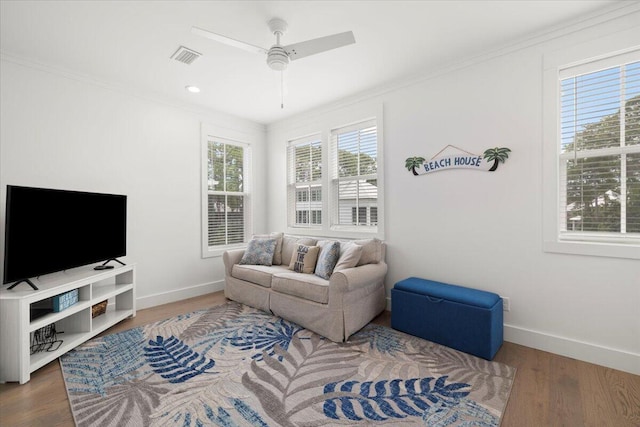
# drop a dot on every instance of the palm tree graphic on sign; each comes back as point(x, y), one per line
point(496, 155)
point(414, 162)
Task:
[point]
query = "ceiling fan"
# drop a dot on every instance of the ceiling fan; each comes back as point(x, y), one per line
point(278, 56)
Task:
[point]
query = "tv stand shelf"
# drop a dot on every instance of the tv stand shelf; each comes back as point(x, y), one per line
point(116, 285)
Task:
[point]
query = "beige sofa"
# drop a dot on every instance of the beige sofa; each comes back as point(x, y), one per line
point(335, 308)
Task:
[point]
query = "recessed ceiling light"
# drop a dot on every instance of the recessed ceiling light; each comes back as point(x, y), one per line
point(192, 89)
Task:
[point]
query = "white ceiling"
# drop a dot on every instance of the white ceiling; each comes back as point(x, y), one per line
point(128, 44)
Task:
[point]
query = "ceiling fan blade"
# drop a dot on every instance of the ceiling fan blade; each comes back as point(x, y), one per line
point(228, 40)
point(319, 45)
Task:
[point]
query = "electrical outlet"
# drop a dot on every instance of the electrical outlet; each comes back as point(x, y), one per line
point(506, 303)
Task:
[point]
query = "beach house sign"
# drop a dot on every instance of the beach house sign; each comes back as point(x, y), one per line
point(463, 159)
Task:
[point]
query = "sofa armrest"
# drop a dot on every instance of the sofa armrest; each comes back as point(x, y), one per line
point(357, 277)
point(230, 258)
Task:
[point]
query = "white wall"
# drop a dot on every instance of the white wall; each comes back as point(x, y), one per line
point(484, 230)
point(64, 131)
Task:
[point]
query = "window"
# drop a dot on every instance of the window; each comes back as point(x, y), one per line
point(305, 181)
point(355, 174)
point(227, 198)
point(600, 151)
point(597, 155)
point(334, 174)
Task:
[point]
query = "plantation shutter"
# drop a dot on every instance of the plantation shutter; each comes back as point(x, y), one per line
point(355, 175)
point(304, 192)
point(227, 213)
point(599, 160)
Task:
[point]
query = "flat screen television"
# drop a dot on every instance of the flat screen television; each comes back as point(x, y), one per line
point(49, 230)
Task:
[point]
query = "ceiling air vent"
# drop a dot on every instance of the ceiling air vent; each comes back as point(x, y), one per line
point(185, 55)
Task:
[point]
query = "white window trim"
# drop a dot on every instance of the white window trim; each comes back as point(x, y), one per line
point(335, 180)
point(209, 133)
point(323, 125)
point(553, 241)
point(292, 184)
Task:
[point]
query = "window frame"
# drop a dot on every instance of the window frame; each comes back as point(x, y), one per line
point(323, 125)
point(209, 135)
point(297, 188)
point(579, 59)
point(337, 180)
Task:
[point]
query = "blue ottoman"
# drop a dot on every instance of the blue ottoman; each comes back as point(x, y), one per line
point(466, 319)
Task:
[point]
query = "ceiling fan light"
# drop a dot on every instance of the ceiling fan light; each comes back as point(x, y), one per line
point(277, 65)
point(277, 58)
point(192, 89)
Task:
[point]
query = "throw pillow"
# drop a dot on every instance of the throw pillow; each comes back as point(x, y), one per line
point(303, 259)
point(371, 251)
point(290, 244)
point(349, 256)
point(277, 254)
point(259, 252)
point(327, 259)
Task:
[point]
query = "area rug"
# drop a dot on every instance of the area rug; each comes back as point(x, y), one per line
point(232, 365)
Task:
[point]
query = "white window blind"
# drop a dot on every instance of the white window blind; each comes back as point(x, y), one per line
point(354, 151)
point(226, 193)
point(304, 157)
point(599, 160)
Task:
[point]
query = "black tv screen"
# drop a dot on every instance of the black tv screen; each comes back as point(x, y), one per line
point(50, 230)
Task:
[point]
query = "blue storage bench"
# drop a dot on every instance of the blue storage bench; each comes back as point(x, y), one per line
point(466, 319)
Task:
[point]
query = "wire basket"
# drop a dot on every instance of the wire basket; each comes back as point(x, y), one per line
point(98, 309)
point(45, 339)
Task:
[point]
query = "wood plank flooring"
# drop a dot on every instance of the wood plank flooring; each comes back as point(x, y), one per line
point(549, 390)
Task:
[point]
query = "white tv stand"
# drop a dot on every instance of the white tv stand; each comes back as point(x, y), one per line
point(116, 285)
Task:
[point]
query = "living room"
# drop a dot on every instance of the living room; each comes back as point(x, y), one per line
point(63, 127)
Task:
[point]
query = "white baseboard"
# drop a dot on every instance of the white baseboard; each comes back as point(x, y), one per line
point(178, 294)
point(587, 352)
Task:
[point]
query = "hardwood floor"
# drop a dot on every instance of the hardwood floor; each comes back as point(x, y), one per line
point(549, 390)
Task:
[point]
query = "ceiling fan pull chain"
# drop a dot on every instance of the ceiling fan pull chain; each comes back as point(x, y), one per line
point(282, 90)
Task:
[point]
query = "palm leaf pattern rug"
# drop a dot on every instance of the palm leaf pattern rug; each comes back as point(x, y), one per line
point(232, 365)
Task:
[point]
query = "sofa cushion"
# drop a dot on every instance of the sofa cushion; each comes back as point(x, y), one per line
point(327, 258)
point(350, 254)
point(277, 253)
point(257, 274)
point(307, 286)
point(289, 245)
point(259, 252)
point(371, 251)
point(303, 259)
